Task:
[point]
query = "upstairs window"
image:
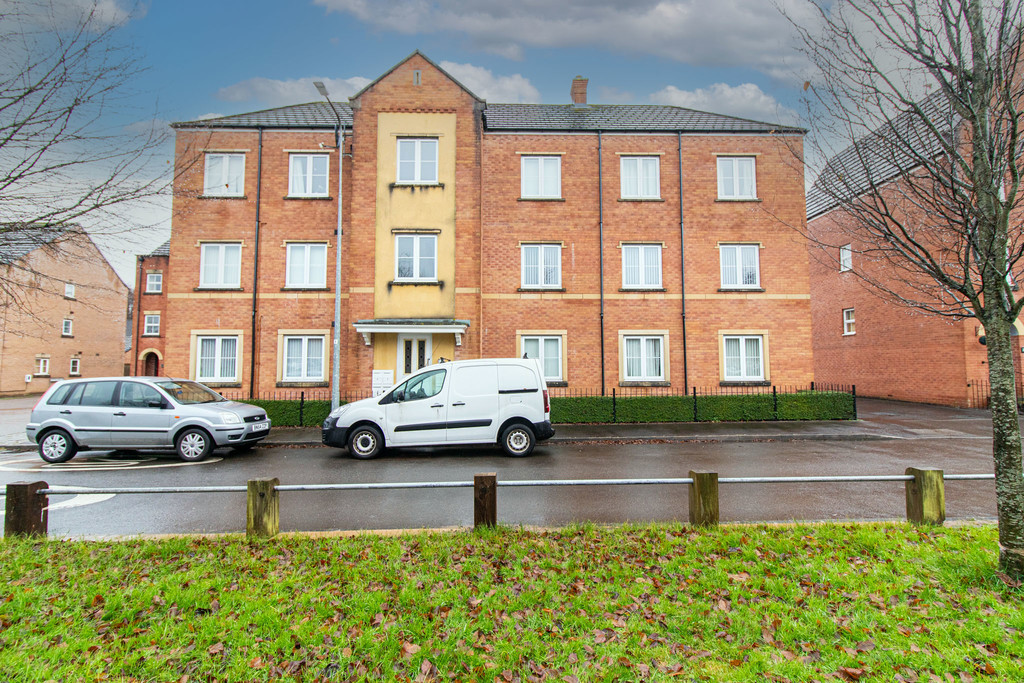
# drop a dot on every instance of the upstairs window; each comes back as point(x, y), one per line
point(306, 265)
point(151, 326)
point(308, 175)
point(220, 265)
point(740, 266)
point(66, 327)
point(541, 265)
point(845, 257)
point(848, 322)
point(541, 177)
point(154, 283)
point(69, 290)
point(417, 160)
point(225, 175)
point(639, 178)
point(736, 178)
point(641, 266)
point(416, 258)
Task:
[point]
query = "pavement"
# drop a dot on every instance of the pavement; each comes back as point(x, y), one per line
point(878, 419)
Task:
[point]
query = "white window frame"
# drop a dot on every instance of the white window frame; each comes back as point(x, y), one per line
point(154, 283)
point(541, 249)
point(75, 366)
point(541, 339)
point(222, 186)
point(307, 191)
point(541, 160)
point(67, 327)
point(642, 248)
point(305, 252)
point(734, 191)
point(42, 366)
point(221, 249)
point(745, 375)
point(69, 290)
point(644, 358)
point(849, 322)
point(218, 358)
point(304, 358)
point(418, 163)
point(641, 162)
point(739, 249)
point(151, 325)
point(845, 258)
point(416, 258)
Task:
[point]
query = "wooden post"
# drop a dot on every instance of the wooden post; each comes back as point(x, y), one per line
point(926, 497)
point(263, 508)
point(704, 498)
point(485, 499)
point(26, 513)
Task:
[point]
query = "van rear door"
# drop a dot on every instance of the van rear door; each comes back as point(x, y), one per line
point(473, 404)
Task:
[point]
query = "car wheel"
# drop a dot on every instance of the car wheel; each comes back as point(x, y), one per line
point(518, 440)
point(365, 442)
point(57, 446)
point(193, 445)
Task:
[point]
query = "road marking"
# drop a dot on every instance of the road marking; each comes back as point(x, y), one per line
point(75, 501)
point(32, 463)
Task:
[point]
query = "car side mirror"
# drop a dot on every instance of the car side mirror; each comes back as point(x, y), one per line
point(156, 404)
point(399, 396)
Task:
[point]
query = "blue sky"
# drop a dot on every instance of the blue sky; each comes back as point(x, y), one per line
point(226, 57)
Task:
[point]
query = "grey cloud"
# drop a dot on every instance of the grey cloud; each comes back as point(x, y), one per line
point(483, 83)
point(279, 93)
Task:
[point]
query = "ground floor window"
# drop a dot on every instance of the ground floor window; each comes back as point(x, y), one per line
point(644, 358)
point(218, 359)
point(42, 366)
point(744, 358)
point(548, 350)
point(304, 359)
point(75, 367)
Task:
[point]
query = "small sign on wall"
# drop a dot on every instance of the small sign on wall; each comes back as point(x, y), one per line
point(382, 381)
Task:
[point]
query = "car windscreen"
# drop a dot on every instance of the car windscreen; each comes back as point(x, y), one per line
point(190, 393)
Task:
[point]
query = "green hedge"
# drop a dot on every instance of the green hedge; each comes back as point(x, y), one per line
point(808, 405)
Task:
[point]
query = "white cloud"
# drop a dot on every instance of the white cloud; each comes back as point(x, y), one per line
point(276, 93)
point(209, 115)
point(609, 95)
point(483, 83)
point(746, 101)
point(66, 14)
point(731, 33)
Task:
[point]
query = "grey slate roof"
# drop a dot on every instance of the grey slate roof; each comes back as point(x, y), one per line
point(17, 240)
point(520, 117)
point(882, 155)
point(163, 250)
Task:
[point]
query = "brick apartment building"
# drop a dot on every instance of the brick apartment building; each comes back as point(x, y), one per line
point(66, 317)
point(472, 229)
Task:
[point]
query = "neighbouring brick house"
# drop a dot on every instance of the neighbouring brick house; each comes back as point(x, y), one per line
point(473, 229)
point(886, 350)
point(66, 314)
point(150, 312)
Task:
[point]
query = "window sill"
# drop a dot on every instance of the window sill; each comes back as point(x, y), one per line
point(222, 196)
point(744, 383)
point(305, 289)
point(150, 336)
point(541, 289)
point(217, 289)
point(642, 289)
point(67, 336)
point(641, 199)
point(299, 385)
point(849, 334)
point(302, 196)
point(739, 199)
point(413, 186)
point(70, 298)
point(38, 375)
point(541, 199)
point(220, 385)
point(416, 283)
point(74, 374)
point(557, 383)
point(157, 292)
point(741, 289)
point(644, 383)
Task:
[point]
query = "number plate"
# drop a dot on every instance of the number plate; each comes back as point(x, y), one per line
point(260, 426)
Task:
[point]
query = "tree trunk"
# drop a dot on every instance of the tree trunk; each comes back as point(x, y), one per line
point(1006, 447)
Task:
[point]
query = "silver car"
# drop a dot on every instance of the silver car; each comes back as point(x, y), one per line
point(108, 413)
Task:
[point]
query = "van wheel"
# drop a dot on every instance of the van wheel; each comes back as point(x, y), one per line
point(518, 440)
point(57, 446)
point(193, 445)
point(365, 442)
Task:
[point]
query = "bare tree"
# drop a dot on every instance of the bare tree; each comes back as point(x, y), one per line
point(72, 152)
point(923, 99)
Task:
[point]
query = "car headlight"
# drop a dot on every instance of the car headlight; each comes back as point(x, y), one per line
point(339, 410)
point(230, 418)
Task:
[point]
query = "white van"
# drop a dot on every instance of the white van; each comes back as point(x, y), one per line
point(485, 401)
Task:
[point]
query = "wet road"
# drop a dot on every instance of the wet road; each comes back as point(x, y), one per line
point(957, 448)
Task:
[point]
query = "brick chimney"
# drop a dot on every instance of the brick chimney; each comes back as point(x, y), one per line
point(578, 92)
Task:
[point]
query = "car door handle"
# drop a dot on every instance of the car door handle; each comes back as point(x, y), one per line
point(458, 403)
point(437, 405)
point(65, 412)
point(120, 414)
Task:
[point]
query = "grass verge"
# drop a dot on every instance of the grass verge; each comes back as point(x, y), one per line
point(654, 602)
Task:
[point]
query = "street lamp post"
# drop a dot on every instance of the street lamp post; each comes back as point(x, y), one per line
point(336, 355)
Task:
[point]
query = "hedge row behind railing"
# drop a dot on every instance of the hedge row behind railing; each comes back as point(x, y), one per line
point(804, 405)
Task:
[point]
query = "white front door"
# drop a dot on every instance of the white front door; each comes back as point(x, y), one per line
point(413, 353)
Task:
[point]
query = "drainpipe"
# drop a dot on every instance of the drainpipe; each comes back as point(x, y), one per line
point(600, 238)
point(137, 341)
point(256, 267)
point(682, 262)
point(339, 142)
